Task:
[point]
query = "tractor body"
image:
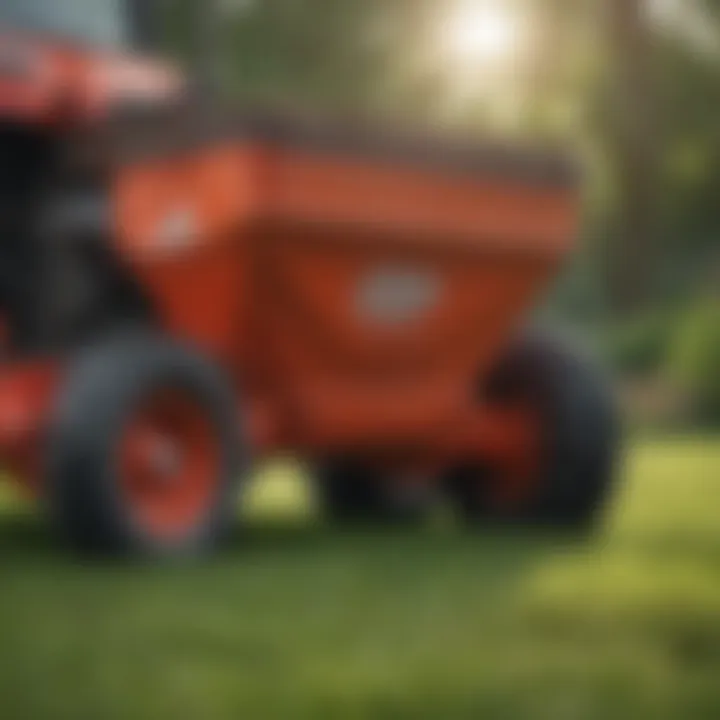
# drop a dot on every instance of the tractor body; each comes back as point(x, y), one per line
point(355, 288)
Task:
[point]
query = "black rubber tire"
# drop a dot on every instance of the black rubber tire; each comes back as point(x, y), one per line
point(580, 442)
point(104, 385)
point(352, 494)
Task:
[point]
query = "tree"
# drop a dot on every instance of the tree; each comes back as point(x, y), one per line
point(633, 133)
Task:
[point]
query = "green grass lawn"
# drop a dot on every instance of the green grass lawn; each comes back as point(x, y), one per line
point(297, 620)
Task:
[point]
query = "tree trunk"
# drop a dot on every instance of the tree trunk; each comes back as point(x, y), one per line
point(634, 134)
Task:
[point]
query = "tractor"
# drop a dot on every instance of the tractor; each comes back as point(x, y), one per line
point(189, 288)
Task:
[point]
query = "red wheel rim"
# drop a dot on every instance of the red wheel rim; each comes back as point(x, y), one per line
point(169, 464)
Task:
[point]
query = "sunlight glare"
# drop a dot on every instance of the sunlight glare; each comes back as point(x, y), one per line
point(481, 32)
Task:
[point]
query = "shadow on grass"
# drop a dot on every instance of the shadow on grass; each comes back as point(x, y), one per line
point(23, 536)
point(26, 541)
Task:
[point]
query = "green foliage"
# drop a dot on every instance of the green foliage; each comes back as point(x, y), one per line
point(694, 362)
point(639, 347)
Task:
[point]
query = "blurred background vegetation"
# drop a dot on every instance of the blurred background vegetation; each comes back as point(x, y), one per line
point(632, 85)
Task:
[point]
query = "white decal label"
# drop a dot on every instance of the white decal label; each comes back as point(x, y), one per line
point(393, 296)
point(178, 229)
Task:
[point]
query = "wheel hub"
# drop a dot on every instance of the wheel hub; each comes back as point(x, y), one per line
point(169, 464)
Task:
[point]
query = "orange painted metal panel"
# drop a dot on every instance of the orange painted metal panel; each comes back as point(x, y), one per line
point(425, 206)
point(178, 223)
point(287, 264)
point(344, 374)
point(50, 81)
